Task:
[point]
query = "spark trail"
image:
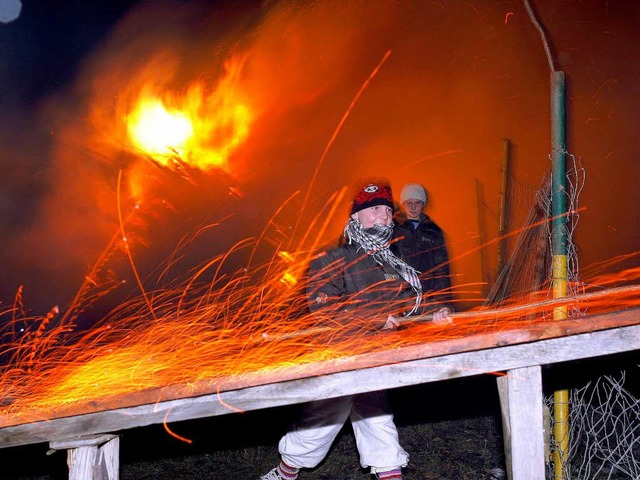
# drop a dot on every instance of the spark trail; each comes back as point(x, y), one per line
point(250, 324)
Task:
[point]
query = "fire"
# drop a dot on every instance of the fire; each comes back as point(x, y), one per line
point(198, 128)
point(158, 131)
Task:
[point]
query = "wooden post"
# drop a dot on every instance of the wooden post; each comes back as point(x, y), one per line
point(93, 457)
point(522, 419)
point(503, 225)
point(484, 274)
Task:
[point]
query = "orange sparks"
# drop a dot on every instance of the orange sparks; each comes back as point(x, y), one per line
point(289, 279)
point(286, 256)
point(172, 433)
point(237, 328)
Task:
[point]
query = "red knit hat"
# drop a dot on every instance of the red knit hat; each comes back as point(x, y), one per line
point(372, 194)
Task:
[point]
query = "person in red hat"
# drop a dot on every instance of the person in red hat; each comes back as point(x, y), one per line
point(361, 278)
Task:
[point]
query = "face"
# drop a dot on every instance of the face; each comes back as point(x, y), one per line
point(376, 215)
point(413, 208)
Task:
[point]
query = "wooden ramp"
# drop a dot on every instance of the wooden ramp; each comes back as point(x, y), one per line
point(89, 432)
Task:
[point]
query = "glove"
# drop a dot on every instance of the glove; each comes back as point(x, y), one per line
point(392, 322)
point(441, 317)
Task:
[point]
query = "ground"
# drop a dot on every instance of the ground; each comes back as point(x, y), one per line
point(451, 431)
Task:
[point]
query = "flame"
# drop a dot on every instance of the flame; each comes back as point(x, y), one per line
point(199, 129)
point(158, 131)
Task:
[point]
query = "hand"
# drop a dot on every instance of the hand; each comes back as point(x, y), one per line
point(441, 317)
point(391, 323)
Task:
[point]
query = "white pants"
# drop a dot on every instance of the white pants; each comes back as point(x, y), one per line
point(376, 434)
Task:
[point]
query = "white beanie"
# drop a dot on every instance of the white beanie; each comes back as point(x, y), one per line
point(413, 191)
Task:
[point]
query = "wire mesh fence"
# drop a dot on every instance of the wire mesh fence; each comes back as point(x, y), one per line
point(604, 419)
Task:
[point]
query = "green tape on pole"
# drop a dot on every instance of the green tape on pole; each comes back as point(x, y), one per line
point(559, 167)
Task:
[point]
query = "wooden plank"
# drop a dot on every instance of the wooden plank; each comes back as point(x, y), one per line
point(110, 458)
point(81, 462)
point(503, 393)
point(84, 441)
point(368, 378)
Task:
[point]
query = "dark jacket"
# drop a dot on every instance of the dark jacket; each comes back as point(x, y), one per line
point(347, 279)
point(424, 249)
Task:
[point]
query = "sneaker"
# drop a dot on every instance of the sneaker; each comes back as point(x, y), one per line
point(272, 475)
point(395, 474)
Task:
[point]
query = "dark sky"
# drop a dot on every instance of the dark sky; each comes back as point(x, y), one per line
point(460, 78)
point(43, 49)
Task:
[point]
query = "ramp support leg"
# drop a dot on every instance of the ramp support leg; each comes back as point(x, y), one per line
point(522, 420)
point(94, 457)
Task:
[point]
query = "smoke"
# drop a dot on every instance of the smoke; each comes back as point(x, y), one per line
point(460, 77)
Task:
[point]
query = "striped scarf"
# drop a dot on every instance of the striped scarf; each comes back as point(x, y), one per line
point(375, 241)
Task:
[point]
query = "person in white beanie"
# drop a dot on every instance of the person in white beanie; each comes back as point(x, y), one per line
point(420, 242)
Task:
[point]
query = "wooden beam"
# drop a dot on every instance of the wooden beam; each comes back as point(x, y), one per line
point(84, 441)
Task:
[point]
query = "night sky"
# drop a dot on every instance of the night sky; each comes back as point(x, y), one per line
point(461, 77)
